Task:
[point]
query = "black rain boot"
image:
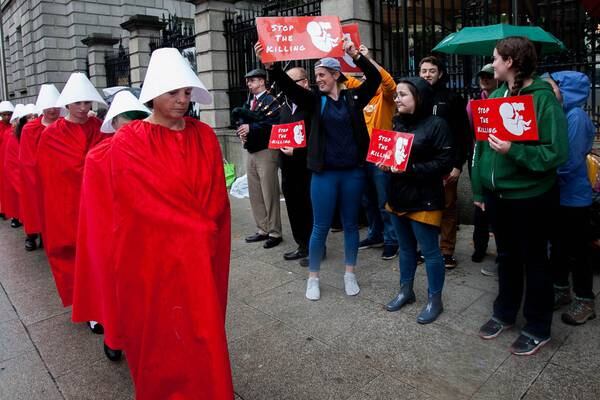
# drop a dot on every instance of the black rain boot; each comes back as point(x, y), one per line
point(432, 309)
point(112, 354)
point(15, 223)
point(30, 242)
point(406, 296)
point(95, 327)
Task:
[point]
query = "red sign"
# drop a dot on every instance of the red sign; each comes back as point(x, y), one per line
point(507, 118)
point(391, 149)
point(351, 32)
point(299, 38)
point(288, 135)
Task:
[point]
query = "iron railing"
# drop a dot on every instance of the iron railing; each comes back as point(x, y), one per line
point(117, 67)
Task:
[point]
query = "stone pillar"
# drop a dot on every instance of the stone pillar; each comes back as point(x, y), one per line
point(352, 11)
point(211, 51)
point(98, 45)
point(142, 29)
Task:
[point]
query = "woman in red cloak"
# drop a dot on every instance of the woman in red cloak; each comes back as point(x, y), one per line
point(30, 199)
point(6, 112)
point(60, 159)
point(171, 241)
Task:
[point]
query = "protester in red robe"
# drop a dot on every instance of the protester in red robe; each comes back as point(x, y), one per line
point(30, 199)
point(6, 112)
point(171, 241)
point(94, 296)
point(12, 172)
point(61, 155)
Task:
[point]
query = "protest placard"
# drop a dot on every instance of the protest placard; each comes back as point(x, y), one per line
point(507, 118)
point(351, 32)
point(389, 148)
point(299, 38)
point(288, 135)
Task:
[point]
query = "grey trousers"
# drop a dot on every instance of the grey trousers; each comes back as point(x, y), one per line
point(263, 187)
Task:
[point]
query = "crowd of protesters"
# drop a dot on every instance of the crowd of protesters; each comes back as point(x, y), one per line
point(133, 215)
point(413, 214)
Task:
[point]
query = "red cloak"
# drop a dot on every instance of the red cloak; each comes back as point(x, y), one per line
point(94, 295)
point(61, 155)
point(5, 130)
point(30, 186)
point(172, 239)
point(12, 178)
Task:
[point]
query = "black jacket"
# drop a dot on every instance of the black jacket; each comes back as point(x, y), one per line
point(421, 187)
point(310, 102)
point(452, 108)
point(260, 130)
point(298, 158)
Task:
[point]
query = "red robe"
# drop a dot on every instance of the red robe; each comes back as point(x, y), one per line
point(94, 295)
point(61, 155)
point(30, 186)
point(5, 130)
point(172, 239)
point(12, 178)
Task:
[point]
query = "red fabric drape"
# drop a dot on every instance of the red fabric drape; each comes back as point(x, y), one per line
point(5, 130)
point(61, 154)
point(12, 178)
point(171, 256)
point(30, 199)
point(94, 296)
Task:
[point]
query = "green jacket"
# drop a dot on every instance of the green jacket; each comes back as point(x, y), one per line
point(529, 168)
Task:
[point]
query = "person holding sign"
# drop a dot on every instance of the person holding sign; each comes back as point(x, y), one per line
point(416, 195)
point(516, 183)
point(337, 148)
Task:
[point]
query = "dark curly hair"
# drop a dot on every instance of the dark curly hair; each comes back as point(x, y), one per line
point(524, 59)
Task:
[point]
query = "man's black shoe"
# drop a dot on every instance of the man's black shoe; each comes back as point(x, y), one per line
point(111, 354)
point(15, 223)
point(272, 242)
point(295, 255)
point(526, 345)
point(257, 237)
point(304, 262)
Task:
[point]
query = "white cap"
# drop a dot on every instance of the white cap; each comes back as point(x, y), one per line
point(6, 106)
point(17, 113)
point(124, 101)
point(47, 99)
point(168, 71)
point(78, 88)
point(29, 109)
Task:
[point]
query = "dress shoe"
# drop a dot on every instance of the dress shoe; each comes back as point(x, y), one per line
point(432, 309)
point(406, 296)
point(15, 223)
point(30, 244)
point(257, 237)
point(295, 255)
point(95, 327)
point(304, 261)
point(111, 354)
point(272, 242)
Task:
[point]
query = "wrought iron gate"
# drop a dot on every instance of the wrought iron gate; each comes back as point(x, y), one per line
point(240, 34)
point(117, 68)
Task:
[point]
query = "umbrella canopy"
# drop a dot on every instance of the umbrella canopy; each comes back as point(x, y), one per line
point(481, 40)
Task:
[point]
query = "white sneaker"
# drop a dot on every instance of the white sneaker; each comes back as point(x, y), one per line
point(312, 289)
point(350, 284)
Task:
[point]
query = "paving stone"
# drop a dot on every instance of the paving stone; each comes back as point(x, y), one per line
point(325, 319)
point(419, 355)
point(38, 302)
point(24, 274)
point(557, 383)
point(243, 320)
point(102, 379)
point(26, 378)
point(66, 346)
point(13, 339)
point(384, 387)
point(7, 312)
point(581, 349)
point(281, 363)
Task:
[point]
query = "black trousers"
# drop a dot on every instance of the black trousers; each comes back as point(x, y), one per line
point(522, 231)
point(570, 250)
point(481, 230)
point(295, 184)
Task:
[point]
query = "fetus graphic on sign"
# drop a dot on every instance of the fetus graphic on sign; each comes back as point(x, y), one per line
point(400, 153)
point(320, 36)
point(347, 57)
point(298, 134)
point(512, 120)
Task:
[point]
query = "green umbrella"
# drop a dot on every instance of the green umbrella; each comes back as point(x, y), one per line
point(481, 40)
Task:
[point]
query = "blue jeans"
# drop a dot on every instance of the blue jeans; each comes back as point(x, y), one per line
point(328, 189)
point(375, 197)
point(410, 233)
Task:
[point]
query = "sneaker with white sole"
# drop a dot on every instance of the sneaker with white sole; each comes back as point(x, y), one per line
point(313, 292)
point(350, 284)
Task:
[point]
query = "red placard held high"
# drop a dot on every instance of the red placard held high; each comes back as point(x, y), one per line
point(288, 135)
point(299, 38)
point(507, 118)
point(391, 149)
point(351, 32)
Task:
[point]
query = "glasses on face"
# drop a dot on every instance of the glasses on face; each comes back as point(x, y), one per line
point(300, 80)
